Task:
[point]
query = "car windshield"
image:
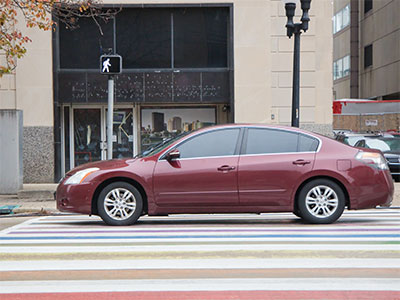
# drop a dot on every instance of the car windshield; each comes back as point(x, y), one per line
point(385, 145)
point(162, 145)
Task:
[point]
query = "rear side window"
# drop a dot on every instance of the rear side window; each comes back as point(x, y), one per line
point(260, 141)
point(214, 143)
point(307, 143)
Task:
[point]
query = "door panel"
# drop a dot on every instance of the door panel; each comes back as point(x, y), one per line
point(269, 180)
point(199, 182)
point(205, 174)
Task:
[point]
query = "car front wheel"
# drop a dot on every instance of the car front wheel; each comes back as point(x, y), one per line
point(120, 204)
point(321, 201)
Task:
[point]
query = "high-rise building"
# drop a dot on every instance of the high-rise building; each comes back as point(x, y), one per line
point(366, 49)
point(177, 123)
point(157, 120)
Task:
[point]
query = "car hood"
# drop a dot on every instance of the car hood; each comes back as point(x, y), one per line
point(104, 165)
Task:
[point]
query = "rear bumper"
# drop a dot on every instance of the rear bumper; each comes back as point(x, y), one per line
point(379, 192)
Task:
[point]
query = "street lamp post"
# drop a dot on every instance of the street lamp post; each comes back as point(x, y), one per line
point(295, 29)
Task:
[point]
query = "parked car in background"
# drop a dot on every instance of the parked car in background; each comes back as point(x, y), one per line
point(351, 138)
point(390, 147)
point(232, 169)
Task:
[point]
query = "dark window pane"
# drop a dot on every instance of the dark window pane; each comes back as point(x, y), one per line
point(201, 37)
point(367, 5)
point(270, 141)
point(215, 143)
point(81, 48)
point(144, 37)
point(367, 56)
point(307, 143)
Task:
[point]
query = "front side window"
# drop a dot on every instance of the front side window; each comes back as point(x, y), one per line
point(214, 143)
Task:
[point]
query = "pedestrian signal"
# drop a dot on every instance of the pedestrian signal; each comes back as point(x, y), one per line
point(110, 64)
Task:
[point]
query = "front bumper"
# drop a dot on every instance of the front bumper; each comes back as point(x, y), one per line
point(75, 198)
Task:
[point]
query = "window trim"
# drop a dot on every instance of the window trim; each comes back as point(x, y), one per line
point(242, 139)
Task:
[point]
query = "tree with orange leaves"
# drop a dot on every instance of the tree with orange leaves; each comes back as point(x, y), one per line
point(42, 14)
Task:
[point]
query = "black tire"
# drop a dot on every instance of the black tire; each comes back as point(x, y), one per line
point(120, 204)
point(325, 204)
point(297, 213)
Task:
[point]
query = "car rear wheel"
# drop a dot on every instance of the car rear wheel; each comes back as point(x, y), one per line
point(120, 204)
point(321, 201)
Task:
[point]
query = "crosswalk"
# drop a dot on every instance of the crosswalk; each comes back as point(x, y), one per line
point(242, 256)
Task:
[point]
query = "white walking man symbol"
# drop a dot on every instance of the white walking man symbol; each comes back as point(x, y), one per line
point(106, 66)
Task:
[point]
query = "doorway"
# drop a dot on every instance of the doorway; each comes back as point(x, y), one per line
point(84, 134)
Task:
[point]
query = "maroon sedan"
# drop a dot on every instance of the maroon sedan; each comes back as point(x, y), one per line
point(232, 169)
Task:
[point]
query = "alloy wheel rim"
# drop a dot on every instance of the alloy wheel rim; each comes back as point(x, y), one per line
point(120, 204)
point(322, 201)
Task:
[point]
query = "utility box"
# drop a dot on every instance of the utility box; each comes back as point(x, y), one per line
point(11, 137)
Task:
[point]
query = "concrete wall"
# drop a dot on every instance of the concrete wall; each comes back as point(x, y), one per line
point(380, 27)
point(11, 165)
point(30, 89)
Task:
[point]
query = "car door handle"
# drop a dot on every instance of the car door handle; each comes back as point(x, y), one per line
point(226, 168)
point(301, 162)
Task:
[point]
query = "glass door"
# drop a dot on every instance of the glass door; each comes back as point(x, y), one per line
point(88, 135)
point(122, 132)
point(84, 134)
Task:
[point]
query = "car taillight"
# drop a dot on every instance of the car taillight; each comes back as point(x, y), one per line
point(373, 159)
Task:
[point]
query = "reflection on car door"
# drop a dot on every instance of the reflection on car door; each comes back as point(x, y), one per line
point(271, 165)
point(205, 174)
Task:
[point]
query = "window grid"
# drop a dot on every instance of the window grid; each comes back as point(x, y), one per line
point(341, 19)
point(341, 67)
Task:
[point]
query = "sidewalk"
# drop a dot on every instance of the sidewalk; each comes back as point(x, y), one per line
point(33, 199)
point(38, 199)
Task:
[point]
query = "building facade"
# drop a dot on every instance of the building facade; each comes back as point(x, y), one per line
point(366, 49)
point(186, 65)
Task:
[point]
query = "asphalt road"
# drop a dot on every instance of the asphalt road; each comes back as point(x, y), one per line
point(268, 256)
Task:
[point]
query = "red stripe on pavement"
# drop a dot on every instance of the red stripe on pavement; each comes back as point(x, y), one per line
point(212, 295)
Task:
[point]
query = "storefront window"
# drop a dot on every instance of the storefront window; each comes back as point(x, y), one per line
point(158, 125)
point(122, 133)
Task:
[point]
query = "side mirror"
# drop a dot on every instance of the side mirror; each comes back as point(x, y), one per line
point(173, 155)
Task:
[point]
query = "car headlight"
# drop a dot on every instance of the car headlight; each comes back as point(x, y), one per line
point(375, 160)
point(79, 176)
